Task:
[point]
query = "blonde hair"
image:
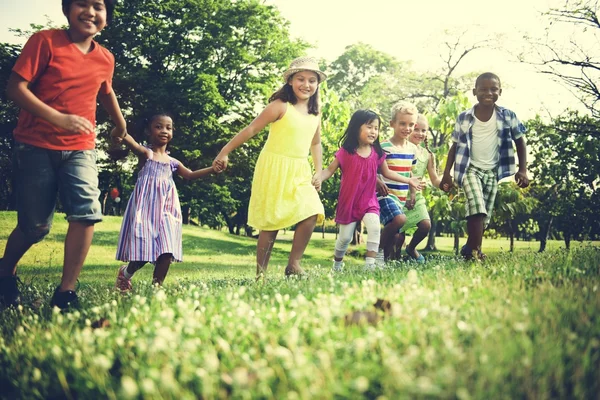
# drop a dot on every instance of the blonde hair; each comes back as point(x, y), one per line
point(422, 117)
point(403, 107)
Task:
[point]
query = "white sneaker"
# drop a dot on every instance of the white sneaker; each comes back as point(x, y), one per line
point(369, 267)
point(379, 259)
point(338, 266)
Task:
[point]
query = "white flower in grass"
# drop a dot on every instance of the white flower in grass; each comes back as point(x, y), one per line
point(129, 387)
point(160, 295)
point(56, 351)
point(36, 375)
point(361, 384)
point(148, 386)
point(412, 276)
point(462, 326)
point(102, 362)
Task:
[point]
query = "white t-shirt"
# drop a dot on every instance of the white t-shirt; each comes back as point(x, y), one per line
point(484, 147)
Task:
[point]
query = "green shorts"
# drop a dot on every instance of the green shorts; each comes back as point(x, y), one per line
point(417, 214)
point(480, 187)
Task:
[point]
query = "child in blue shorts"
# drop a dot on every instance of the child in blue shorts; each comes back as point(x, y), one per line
point(392, 195)
point(56, 81)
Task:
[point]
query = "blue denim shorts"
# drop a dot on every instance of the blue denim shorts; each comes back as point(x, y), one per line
point(389, 208)
point(41, 174)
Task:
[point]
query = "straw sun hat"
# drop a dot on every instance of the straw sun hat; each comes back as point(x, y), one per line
point(304, 64)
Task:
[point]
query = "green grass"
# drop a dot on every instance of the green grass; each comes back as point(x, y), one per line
point(523, 325)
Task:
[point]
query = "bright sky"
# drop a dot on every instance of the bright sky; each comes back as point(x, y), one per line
point(408, 30)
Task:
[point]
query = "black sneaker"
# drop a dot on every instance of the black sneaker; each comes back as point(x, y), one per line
point(468, 254)
point(65, 300)
point(10, 295)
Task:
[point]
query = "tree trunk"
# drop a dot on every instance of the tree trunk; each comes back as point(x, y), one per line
point(456, 242)
point(567, 240)
point(229, 222)
point(104, 203)
point(432, 232)
point(185, 213)
point(323, 229)
point(512, 241)
point(545, 234)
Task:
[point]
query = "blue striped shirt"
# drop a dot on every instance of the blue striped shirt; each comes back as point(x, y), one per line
point(509, 130)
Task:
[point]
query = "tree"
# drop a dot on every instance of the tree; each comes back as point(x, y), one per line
point(573, 59)
point(567, 174)
point(352, 70)
point(8, 122)
point(510, 204)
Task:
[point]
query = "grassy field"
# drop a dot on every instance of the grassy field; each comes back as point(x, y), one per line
point(522, 325)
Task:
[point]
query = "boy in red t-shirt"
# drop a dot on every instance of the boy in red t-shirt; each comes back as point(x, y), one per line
point(56, 81)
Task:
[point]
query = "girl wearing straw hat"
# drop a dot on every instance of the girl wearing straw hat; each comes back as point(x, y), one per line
point(282, 193)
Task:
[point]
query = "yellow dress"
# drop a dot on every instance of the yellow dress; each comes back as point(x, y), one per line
point(282, 194)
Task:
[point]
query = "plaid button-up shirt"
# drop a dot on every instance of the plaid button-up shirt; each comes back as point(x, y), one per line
point(509, 129)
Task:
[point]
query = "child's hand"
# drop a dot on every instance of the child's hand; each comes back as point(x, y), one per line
point(220, 163)
point(74, 124)
point(117, 135)
point(446, 183)
point(317, 180)
point(415, 183)
point(409, 204)
point(522, 179)
point(381, 187)
point(217, 171)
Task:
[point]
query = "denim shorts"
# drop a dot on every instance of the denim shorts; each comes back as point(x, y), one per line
point(41, 174)
point(389, 208)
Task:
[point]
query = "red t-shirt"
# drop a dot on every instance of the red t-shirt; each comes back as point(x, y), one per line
point(65, 79)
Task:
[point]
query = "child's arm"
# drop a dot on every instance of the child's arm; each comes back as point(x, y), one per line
point(130, 142)
point(187, 173)
point(446, 182)
point(387, 173)
point(521, 175)
point(111, 105)
point(272, 112)
point(17, 89)
point(432, 171)
point(325, 174)
point(316, 151)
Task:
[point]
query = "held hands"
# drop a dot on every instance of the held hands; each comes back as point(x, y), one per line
point(74, 124)
point(522, 179)
point(382, 189)
point(220, 163)
point(117, 135)
point(415, 183)
point(446, 183)
point(410, 203)
point(317, 180)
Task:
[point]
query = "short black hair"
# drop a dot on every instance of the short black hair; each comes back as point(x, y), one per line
point(110, 8)
point(487, 75)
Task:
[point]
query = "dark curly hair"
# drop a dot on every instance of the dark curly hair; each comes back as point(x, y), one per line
point(110, 8)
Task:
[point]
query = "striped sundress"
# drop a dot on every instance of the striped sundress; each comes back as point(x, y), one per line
point(152, 222)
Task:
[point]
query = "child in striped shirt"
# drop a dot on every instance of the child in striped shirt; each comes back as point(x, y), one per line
point(152, 224)
point(400, 153)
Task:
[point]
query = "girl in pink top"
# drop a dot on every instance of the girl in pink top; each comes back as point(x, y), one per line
point(359, 158)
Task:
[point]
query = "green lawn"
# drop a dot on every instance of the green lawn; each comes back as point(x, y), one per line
point(522, 325)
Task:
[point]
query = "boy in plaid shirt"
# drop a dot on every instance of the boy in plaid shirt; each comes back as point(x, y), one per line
point(482, 154)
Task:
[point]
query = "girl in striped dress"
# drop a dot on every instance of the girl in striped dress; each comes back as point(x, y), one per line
point(151, 229)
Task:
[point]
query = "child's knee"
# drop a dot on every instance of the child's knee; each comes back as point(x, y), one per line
point(36, 233)
point(424, 225)
point(399, 220)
